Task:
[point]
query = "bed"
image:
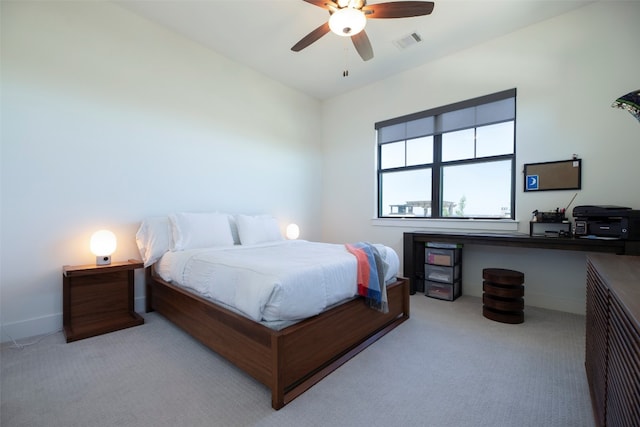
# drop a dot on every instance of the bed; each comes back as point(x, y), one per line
point(287, 355)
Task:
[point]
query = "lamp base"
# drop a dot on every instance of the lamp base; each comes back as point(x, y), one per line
point(103, 260)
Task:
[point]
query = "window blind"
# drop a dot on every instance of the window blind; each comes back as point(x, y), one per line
point(485, 110)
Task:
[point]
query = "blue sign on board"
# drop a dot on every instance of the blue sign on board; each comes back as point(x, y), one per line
point(532, 182)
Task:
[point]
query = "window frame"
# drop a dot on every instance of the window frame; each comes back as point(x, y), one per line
point(437, 164)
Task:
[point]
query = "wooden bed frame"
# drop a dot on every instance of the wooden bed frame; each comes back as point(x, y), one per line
point(291, 360)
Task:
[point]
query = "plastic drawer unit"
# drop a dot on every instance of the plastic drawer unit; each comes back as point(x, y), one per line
point(444, 291)
point(438, 273)
point(443, 270)
point(446, 257)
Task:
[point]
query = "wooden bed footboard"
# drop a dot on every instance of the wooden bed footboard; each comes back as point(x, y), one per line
point(288, 361)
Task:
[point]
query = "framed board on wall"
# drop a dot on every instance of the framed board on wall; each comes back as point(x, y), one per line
point(560, 175)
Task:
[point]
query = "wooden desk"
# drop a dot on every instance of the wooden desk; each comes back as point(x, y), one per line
point(413, 246)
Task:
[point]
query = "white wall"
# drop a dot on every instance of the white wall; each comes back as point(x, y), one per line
point(567, 70)
point(107, 119)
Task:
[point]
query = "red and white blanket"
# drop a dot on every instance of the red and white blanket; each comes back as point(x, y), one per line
point(371, 283)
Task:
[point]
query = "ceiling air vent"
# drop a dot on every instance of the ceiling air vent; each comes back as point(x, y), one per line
point(408, 40)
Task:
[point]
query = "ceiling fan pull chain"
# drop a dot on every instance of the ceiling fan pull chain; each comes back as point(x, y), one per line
point(345, 73)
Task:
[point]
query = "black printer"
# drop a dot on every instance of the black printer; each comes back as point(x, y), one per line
point(609, 221)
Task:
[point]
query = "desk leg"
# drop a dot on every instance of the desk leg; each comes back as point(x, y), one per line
point(409, 249)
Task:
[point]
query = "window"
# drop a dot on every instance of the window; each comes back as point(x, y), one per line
point(456, 161)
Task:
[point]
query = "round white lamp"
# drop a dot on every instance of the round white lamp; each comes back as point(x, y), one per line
point(103, 244)
point(347, 21)
point(293, 231)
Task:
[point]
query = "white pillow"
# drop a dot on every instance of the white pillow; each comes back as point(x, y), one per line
point(200, 230)
point(257, 229)
point(153, 239)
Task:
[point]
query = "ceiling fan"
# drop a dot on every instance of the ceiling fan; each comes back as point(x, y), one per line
point(349, 17)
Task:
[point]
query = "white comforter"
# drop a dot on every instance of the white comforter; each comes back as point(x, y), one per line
point(284, 280)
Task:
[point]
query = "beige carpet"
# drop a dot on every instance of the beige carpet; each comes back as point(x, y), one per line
point(446, 366)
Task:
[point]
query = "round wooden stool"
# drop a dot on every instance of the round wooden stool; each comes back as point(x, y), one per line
point(503, 297)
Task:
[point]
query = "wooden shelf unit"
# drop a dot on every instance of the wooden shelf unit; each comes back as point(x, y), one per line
point(612, 353)
point(98, 299)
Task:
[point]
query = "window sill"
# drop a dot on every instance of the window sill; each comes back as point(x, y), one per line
point(470, 225)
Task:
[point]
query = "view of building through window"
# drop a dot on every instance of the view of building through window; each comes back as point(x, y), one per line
point(456, 163)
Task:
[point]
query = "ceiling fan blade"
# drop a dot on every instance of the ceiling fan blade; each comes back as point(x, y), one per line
point(325, 4)
point(363, 45)
point(311, 37)
point(398, 9)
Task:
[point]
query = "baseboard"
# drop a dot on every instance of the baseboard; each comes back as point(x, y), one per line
point(22, 329)
point(139, 304)
point(44, 325)
point(568, 305)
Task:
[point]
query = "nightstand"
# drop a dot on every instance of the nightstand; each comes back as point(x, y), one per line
point(98, 299)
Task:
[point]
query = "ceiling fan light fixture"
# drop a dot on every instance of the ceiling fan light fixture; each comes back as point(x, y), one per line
point(347, 21)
